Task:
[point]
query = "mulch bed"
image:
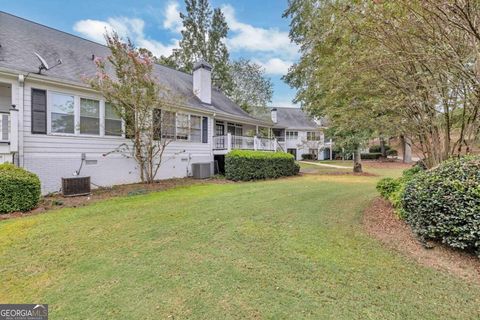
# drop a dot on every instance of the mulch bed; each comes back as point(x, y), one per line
point(57, 201)
point(386, 164)
point(381, 222)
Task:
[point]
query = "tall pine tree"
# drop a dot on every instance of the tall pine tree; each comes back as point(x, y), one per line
point(203, 37)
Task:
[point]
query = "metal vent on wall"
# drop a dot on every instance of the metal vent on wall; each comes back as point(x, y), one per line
point(76, 186)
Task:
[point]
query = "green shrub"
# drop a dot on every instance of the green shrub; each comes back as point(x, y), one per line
point(19, 189)
point(247, 165)
point(378, 148)
point(371, 156)
point(308, 156)
point(392, 152)
point(444, 203)
point(393, 189)
point(387, 186)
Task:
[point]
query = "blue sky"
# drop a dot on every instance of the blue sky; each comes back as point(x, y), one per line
point(257, 29)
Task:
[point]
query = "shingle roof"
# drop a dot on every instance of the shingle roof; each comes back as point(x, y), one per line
point(20, 38)
point(294, 118)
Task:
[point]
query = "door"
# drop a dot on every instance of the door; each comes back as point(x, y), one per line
point(220, 132)
point(293, 151)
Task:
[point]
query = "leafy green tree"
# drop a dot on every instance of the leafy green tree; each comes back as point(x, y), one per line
point(252, 89)
point(125, 78)
point(405, 68)
point(203, 37)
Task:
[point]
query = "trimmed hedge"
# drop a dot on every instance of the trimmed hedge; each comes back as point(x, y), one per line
point(378, 148)
point(392, 152)
point(308, 156)
point(19, 189)
point(371, 156)
point(244, 165)
point(387, 186)
point(393, 189)
point(444, 203)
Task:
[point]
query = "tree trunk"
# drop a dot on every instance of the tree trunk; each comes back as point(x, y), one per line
point(407, 149)
point(383, 150)
point(357, 160)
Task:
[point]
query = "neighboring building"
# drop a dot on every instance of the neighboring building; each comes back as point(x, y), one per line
point(299, 134)
point(53, 124)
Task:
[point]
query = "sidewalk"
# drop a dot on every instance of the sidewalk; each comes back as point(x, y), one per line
point(325, 165)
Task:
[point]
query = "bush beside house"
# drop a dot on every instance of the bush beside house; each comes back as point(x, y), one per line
point(244, 165)
point(308, 156)
point(444, 203)
point(19, 189)
point(371, 156)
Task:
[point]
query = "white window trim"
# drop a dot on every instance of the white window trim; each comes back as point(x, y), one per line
point(101, 112)
point(76, 116)
point(77, 105)
point(50, 94)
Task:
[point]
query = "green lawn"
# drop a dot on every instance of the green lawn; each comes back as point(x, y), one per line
point(291, 248)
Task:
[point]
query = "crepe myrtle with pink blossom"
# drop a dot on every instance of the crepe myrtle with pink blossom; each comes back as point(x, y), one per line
point(125, 78)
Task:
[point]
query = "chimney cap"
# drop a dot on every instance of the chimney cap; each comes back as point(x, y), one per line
point(202, 64)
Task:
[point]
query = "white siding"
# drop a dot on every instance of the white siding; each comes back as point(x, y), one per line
point(302, 145)
point(55, 156)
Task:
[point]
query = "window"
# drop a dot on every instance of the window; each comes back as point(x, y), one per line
point(313, 136)
point(205, 130)
point(196, 129)
point(62, 116)
point(183, 126)
point(89, 116)
point(113, 121)
point(292, 135)
point(39, 111)
point(235, 129)
point(168, 125)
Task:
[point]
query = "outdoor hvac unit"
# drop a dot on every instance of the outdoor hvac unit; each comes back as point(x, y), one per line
point(202, 170)
point(76, 186)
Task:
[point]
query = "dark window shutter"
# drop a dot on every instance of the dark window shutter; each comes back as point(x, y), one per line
point(39, 111)
point(205, 130)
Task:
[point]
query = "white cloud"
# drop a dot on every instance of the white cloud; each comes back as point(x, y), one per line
point(275, 66)
point(92, 29)
point(172, 17)
point(254, 39)
point(284, 104)
point(132, 28)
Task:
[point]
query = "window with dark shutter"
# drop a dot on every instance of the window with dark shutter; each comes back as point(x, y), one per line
point(39, 111)
point(205, 130)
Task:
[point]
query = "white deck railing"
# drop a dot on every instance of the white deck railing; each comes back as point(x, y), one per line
point(231, 142)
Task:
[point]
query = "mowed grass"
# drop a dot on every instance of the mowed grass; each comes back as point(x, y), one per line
point(291, 248)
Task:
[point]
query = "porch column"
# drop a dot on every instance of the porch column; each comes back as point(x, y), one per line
point(13, 129)
point(229, 142)
point(255, 142)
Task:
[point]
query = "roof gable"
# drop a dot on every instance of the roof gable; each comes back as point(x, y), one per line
point(295, 118)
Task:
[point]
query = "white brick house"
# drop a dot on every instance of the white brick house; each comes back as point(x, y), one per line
point(42, 113)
